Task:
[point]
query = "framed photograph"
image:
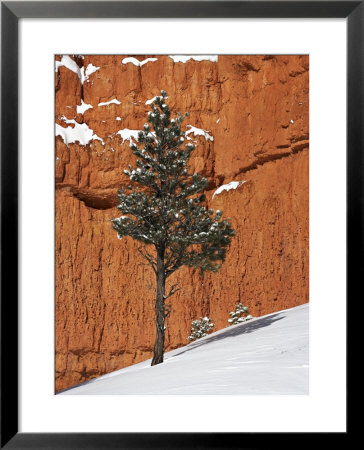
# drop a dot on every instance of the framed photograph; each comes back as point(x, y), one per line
point(180, 221)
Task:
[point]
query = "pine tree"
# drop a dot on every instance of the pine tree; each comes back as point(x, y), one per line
point(163, 208)
point(241, 314)
point(200, 328)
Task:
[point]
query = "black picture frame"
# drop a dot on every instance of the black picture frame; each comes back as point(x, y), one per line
point(11, 12)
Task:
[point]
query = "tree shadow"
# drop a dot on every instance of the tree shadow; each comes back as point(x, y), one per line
point(234, 330)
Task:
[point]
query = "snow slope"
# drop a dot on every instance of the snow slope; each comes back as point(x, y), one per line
point(266, 355)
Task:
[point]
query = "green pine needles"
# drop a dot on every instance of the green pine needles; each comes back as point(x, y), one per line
point(241, 314)
point(164, 208)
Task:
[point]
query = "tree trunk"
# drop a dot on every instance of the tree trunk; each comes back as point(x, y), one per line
point(160, 312)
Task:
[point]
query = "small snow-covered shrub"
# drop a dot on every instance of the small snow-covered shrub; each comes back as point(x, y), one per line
point(200, 328)
point(241, 314)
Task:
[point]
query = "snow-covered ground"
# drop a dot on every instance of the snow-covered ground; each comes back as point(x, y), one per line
point(266, 355)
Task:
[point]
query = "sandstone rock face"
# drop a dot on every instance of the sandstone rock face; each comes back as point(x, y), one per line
point(256, 110)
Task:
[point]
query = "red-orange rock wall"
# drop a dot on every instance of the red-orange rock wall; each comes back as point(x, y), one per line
point(256, 109)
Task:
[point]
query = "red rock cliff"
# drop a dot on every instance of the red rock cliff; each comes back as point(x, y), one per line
point(256, 110)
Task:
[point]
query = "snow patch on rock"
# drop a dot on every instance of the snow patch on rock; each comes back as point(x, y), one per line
point(83, 107)
point(86, 73)
point(114, 100)
point(199, 132)
point(136, 62)
point(79, 133)
point(69, 63)
point(185, 58)
point(227, 187)
point(149, 102)
point(127, 134)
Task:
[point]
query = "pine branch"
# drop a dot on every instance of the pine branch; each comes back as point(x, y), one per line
point(173, 290)
point(167, 310)
point(175, 267)
point(172, 259)
point(149, 258)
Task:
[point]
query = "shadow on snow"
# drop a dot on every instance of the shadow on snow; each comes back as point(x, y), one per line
point(234, 330)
